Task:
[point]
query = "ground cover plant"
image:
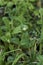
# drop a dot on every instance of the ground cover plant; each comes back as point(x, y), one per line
point(21, 32)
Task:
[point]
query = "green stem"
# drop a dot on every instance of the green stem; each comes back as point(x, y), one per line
point(35, 48)
point(11, 51)
point(40, 48)
point(16, 59)
point(41, 30)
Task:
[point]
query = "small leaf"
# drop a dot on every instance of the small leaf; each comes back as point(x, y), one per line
point(17, 30)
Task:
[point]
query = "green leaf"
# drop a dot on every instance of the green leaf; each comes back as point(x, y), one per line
point(16, 59)
point(6, 38)
point(17, 30)
point(15, 40)
point(9, 4)
point(25, 39)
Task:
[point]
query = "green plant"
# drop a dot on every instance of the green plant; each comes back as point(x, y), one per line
point(21, 32)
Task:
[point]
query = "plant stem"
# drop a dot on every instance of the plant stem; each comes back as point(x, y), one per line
point(15, 61)
point(11, 51)
point(41, 30)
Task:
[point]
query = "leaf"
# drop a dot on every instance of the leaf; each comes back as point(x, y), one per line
point(16, 60)
point(6, 21)
point(15, 40)
point(11, 47)
point(9, 4)
point(17, 30)
point(10, 59)
point(6, 38)
point(25, 39)
point(40, 59)
point(32, 0)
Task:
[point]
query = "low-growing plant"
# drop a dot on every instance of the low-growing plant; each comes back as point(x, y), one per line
point(21, 32)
